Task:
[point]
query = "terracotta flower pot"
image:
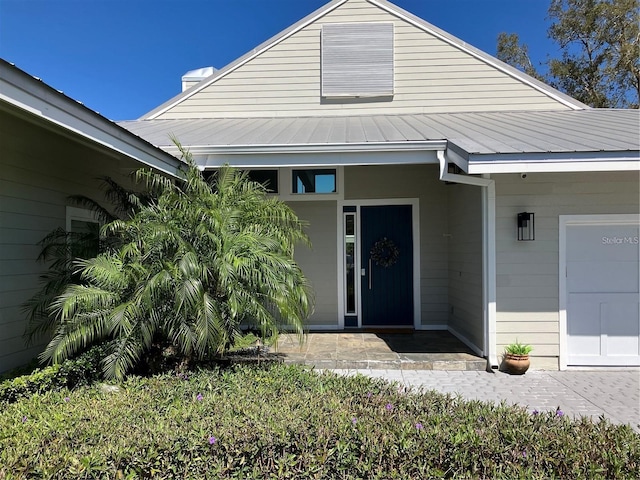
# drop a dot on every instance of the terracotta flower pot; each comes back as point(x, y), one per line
point(516, 364)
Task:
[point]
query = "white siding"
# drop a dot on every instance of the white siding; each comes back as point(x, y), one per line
point(465, 262)
point(415, 181)
point(319, 262)
point(430, 76)
point(527, 272)
point(38, 170)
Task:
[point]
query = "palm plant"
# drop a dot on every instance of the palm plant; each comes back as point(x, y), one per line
point(193, 267)
point(61, 248)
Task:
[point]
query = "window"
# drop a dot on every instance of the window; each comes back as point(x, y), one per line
point(357, 59)
point(314, 181)
point(85, 232)
point(350, 264)
point(268, 178)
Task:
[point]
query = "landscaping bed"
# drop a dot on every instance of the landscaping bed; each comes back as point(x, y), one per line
point(285, 421)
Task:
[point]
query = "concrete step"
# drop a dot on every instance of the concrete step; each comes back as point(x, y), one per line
point(474, 364)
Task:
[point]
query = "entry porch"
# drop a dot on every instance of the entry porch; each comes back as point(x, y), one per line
point(412, 350)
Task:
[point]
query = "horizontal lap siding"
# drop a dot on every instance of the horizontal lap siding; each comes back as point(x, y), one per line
point(38, 171)
point(465, 261)
point(319, 263)
point(420, 182)
point(527, 272)
point(429, 76)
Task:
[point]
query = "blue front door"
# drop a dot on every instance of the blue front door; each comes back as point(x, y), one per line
point(387, 261)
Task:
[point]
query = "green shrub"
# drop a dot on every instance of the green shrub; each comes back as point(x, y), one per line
point(82, 370)
point(288, 422)
point(38, 381)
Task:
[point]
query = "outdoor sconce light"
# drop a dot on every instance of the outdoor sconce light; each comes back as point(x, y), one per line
point(526, 226)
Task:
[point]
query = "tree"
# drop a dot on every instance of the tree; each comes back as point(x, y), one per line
point(511, 51)
point(192, 267)
point(599, 42)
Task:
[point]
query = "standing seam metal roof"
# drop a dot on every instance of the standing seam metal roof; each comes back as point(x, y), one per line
point(566, 131)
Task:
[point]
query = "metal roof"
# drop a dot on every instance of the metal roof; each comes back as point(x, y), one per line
point(470, 134)
point(29, 97)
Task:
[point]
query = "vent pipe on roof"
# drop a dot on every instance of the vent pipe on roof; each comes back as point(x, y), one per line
point(192, 77)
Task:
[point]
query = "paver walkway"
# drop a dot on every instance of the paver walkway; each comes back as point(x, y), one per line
point(437, 360)
point(614, 394)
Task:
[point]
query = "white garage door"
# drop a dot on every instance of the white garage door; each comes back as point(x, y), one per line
point(603, 294)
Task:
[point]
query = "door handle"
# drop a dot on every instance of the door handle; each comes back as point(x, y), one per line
point(370, 274)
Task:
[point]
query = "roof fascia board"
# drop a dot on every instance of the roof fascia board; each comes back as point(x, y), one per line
point(47, 106)
point(429, 145)
point(247, 57)
point(393, 9)
point(494, 62)
point(318, 159)
point(457, 158)
point(575, 165)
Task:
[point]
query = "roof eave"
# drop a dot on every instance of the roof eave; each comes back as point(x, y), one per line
point(391, 8)
point(427, 145)
point(40, 103)
point(223, 72)
point(481, 55)
point(315, 155)
point(554, 162)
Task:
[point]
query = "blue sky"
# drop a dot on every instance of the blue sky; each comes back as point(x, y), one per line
point(122, 58)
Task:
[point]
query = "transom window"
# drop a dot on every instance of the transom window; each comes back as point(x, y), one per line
point(314, 181)
point(268, 178)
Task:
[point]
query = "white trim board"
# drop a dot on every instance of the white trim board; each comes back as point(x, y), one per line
point(466, 341)
point(479, 54)
point(247, 57)
point(39, 103)
point(285, 186)
point(393, 10)
point(318, 159)
point(415, 214)
point(81, 214)
point(630, 163)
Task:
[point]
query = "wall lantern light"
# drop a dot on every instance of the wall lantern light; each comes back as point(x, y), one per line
point(526, 226)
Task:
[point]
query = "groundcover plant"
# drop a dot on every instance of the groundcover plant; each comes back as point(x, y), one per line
point(289, 422)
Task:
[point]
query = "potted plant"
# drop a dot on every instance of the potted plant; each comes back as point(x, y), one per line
point(516, 358)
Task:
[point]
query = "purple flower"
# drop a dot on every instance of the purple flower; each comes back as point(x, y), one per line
point(419, 426)
point(535, 412)
point(212, 440)
point(369, 395)
point(559, 413)
point(389, 407)
point(354, 420)
point(199, 397)
point(66, 399)
point(524, 454)
point(24, 419)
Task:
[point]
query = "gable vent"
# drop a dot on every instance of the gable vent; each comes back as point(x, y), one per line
point(357, 59)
